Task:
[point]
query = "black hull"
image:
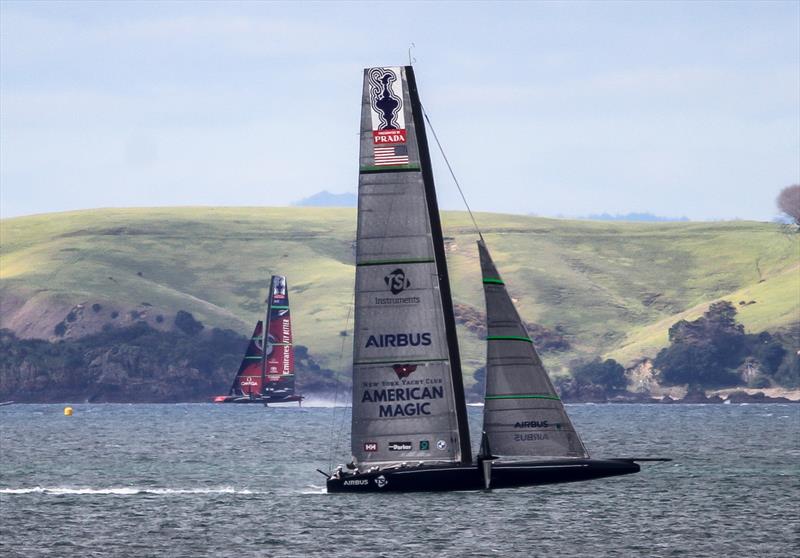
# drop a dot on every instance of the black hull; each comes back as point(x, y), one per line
point(259, 400)
point(470, 477)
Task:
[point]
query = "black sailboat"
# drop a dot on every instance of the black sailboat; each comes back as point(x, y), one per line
point(409, 420)
point(266, 374)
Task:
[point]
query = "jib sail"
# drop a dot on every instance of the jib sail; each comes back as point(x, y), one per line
point(249, 379)
point(523, 414)
point(408, 400)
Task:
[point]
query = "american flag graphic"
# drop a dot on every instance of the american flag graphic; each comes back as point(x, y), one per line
point(391, 155)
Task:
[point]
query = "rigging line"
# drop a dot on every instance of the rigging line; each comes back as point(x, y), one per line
point(341, 419)
point(450, 168)
point(335, 448)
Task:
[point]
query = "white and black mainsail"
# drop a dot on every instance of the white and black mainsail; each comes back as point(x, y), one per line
point(522, 415)
point(408, 395)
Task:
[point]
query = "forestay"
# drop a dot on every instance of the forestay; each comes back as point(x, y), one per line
point(522, 415)
point(406, 373)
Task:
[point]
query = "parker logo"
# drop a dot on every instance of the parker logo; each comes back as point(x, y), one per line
point(403, 370)
point(400, 446)
point(397, 281)
point(370, 447)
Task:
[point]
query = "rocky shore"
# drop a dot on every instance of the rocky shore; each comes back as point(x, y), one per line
point(699, 398)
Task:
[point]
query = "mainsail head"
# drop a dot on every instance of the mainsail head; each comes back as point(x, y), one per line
point(408, 403)
point(522, 415)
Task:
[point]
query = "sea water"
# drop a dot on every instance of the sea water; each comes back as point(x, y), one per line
point(240, 480)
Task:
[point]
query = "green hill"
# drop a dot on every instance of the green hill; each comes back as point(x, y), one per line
point(610, 288)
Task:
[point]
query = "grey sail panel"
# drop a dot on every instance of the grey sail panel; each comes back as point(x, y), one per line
point(523, 415)
point(404, 402)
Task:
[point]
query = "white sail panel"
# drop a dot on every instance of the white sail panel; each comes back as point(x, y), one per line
point(404, 412)
point(522, 415)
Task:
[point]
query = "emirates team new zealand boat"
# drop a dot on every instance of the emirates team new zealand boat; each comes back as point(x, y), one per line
point(409, 418)
point(268, 376)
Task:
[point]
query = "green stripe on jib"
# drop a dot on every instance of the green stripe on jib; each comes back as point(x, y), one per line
point(508, 338)
point(551, 397)
point(493, 281)
point(279, 307)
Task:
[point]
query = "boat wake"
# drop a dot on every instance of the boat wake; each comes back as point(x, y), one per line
point(320, 403)
point(314, 489)
point(125, 491)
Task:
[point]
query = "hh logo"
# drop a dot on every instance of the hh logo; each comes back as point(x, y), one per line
point(397, 282)
point(370, 446)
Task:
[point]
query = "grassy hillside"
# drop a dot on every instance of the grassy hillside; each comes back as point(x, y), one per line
point(614, 288)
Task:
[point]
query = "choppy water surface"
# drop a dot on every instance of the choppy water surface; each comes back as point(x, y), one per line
point(230, 480)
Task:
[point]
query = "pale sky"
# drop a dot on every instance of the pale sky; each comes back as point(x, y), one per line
point(548, 108)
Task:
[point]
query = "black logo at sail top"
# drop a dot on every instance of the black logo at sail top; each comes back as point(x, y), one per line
point(279, 286)
point(396, 281)
point(382, 97)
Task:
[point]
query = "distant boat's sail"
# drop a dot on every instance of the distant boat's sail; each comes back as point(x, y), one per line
point(523, 414)
point(408, 400)
point(248, 380)
point(270, 378)
point(279, 366)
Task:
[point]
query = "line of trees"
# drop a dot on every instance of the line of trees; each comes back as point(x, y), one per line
point(136, 363)
point(714, 351)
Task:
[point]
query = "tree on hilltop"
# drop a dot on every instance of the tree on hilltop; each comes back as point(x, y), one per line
point(789, 203)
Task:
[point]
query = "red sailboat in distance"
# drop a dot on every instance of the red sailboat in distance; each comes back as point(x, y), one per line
point(266, 374)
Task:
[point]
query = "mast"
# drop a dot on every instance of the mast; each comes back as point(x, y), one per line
point(441, 267)
point(264, 353)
